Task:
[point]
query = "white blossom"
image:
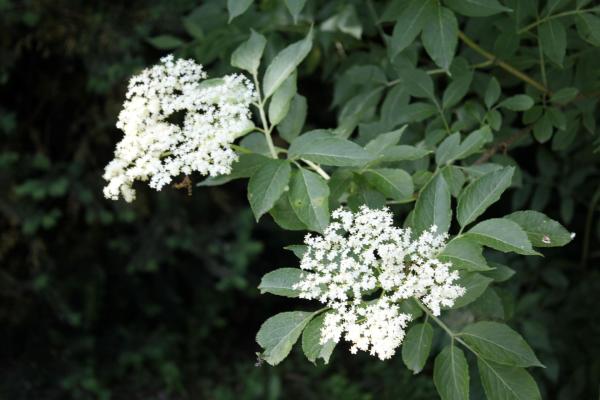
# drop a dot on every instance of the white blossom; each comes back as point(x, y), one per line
point(362, 255)
point(156, 147)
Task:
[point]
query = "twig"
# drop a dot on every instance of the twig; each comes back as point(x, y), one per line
point(503, 145)
point(505, 66)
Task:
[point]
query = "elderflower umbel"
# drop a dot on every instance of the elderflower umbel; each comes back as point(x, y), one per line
point(157, 148)
point(362, 255)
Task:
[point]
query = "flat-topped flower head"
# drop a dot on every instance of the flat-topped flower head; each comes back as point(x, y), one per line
point(361, 255)
point(157, 147)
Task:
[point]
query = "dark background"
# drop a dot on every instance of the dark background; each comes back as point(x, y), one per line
point(157, 299)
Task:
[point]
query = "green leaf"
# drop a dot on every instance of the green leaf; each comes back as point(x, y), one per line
point(464, 254)
point(409, 24)
point(542, 129)
point(278, 334)
point(415, 112)
point(284, 215)
point(311, 341)
point(497, 342)
point(281, 281)
point(481, 194)
point(588, 26)
point(564, 95)
point(500, 273)
point(382, 141)
point(267, 185)
point(291, 126)
point(492, 93)
point(457, 89)
point(418, 83)
point(235, 8)
point(476, 8)
point(553, 40)
point(297, 249)
point(309, 197)
point(433, 206)
point(447, 150)
point(475, 284)
point(248, 54)
point(416, 346)
point(165, 42)
point(403, 152)
point(358, 108)
point(280, 103)
point(295, 8)
point(393, 183)
point(451, 374)
point(503, 235)
point(284, 63)
point(541, 230)
point(520, 102)
point(455, 179)
point(507, 383)
point(440, 36)
point(244, 167)
point(472, 143)
point(322, 147)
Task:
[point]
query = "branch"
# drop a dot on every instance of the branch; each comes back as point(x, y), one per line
point(503, 145)
point(505, 66)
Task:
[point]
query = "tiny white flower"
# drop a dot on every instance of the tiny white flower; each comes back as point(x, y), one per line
point(157, 148)
point(363, 254)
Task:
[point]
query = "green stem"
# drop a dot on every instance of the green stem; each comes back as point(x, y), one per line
point(559, 15)
point(441, 324)
point(505, 66)
point(317, 169)
point(263, 118)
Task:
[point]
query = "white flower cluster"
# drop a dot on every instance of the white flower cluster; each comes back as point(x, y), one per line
point(157, 147)
point(362, 255)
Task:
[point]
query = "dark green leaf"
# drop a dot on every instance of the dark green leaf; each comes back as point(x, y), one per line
point(416, 346)
point(247, 56)
point(492, 93)
point(280, 103)
point(165, 42)
point(284, 215)
point(295, 7)
point(281, 281)
point(553, 40)
point(278, 334)
point(237, 7)
point(464, 254)
point(520, 102)
point(564, 95)
point(409, 24)
point(244, 167)
point(291, 126)
point(507, 383)
point(322, 147)
point(309, 197)
point(433, 206)
point(498, 343)
point(451, 374)
point(481, 194)
point(541, 230)
point(267, 185)
point(475, 284)
point(503, 235)
point(311, 341)
point(284, 63)
point(440, 36)
point(393, 183)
